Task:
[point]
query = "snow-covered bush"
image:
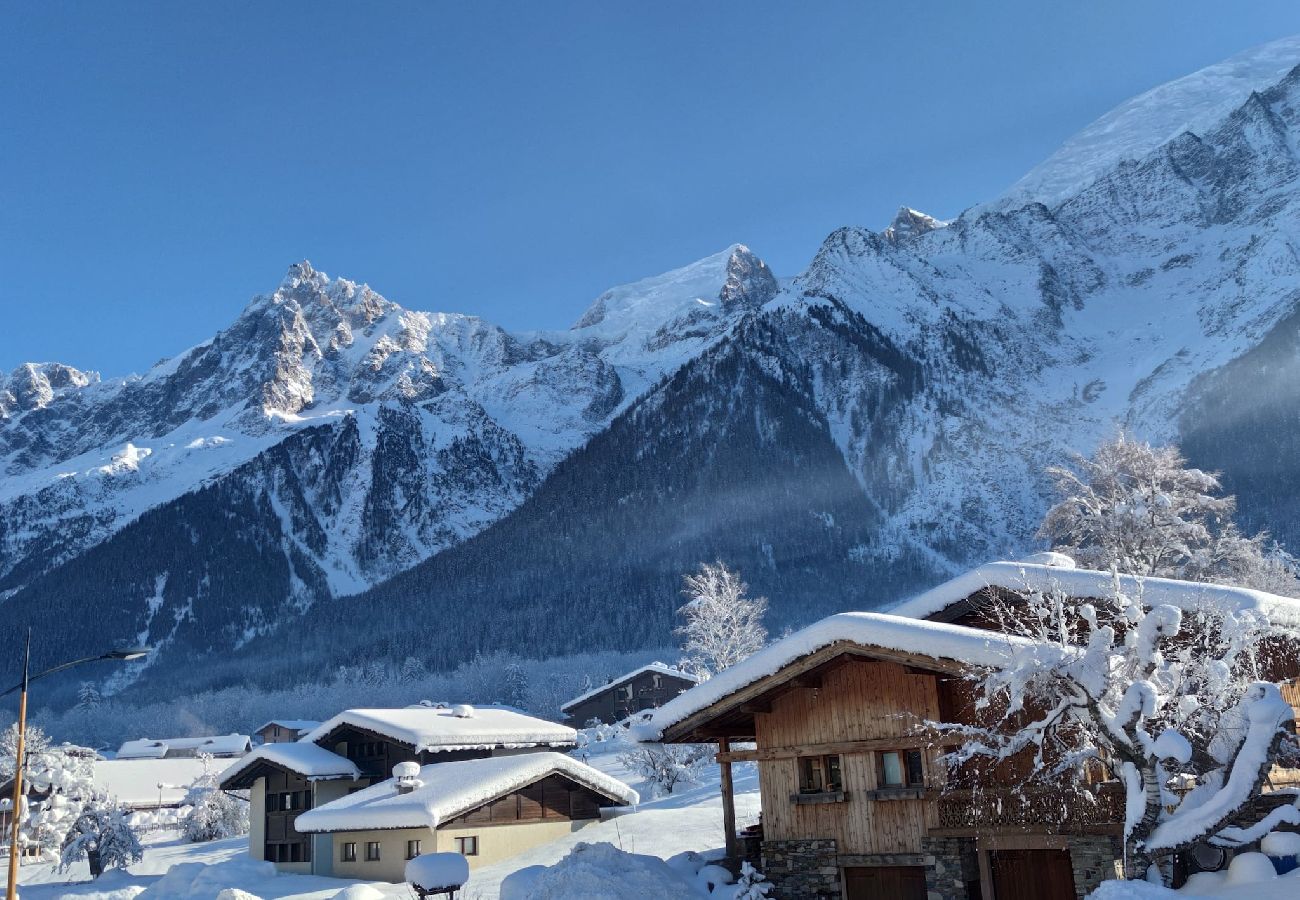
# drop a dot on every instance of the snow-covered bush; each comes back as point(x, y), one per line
point(752, 885)
point(1173, 704)
point(598, 870)
point(1144, 510)
point(214, 814)
point(668, 765)
point(102, 835)
point(722, 626)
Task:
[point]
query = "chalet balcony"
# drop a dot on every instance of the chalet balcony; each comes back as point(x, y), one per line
point(1054, 809)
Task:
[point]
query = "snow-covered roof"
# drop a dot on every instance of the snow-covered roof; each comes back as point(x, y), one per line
point(661, 668)
point(1025, 576)
point(433, 728)
point(135, 782)
point(311, 761)
point(157, 748)
point(448, 789)
point(935, 640)
point(298, 725)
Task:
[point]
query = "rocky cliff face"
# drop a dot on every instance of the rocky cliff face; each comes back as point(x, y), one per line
point(878, 422)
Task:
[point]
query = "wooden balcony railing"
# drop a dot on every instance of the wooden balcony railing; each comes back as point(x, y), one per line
point(1057, 809)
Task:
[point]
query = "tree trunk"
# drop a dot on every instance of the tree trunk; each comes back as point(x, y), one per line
point(96, 866)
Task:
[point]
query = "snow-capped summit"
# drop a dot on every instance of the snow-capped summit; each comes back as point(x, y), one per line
point(910, 223)
point(34, 386)
point(1192, 103)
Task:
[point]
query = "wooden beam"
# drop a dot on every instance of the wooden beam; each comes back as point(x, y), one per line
point(914, 742)
point(728, 802)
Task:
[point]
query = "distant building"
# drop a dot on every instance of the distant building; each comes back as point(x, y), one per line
point(277, 731)
point(360, 747)
point(648, 687)
point(222, 746)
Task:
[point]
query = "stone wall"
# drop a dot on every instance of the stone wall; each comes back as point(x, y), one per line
point(1094, 859)
point(802, 870)
point(950, 865)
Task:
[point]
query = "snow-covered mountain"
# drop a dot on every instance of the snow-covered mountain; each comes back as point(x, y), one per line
point(878, 422)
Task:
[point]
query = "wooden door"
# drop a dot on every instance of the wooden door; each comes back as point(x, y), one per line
point(1032, 875)
point(884, 883)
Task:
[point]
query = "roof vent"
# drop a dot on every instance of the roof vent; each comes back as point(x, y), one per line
point(463, 711)
point(407, 775)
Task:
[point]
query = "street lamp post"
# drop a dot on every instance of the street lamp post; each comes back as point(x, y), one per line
point(11, 892)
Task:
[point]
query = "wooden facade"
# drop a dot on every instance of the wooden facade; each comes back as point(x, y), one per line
point(878, 704)
point(844, 762)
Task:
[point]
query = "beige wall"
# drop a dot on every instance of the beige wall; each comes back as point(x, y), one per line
point(495, 843)
point(257, 819)
point(499, 842)
point(392, 853)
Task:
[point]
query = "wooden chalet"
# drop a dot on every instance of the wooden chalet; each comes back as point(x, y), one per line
point(856, 801)
point(648, 687)
point(361, 747)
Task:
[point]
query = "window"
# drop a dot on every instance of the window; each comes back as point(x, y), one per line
point(901, 768)
point(819, 774)
point(349, 853)
point(467, 846)
point(412, 849)
point(372, 851)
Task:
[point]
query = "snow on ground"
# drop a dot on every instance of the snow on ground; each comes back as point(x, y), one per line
point(1250, 875)
point(688, 820)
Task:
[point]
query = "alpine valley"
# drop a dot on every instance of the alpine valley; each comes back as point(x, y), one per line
point(350, 477)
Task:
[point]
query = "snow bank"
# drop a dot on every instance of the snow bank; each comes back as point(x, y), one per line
point(1188, 596)
point(937, 640)
point(434, 729)
point(197, 881)
point(437, 870)
point(599, 870)
point(359, 892)
point(448, 789)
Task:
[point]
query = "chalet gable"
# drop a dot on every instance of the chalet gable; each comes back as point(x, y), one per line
point(724, 706)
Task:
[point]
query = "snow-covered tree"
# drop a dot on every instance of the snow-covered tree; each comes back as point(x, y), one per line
point(412, 669)
point(102, 835)
point(62, 776)
point(516, 686)
point(722, 626)
point(667, 765)
point(214, 814)
point(1170, 703)
point(751, 885)
point(1143, 510)
point(36, 743)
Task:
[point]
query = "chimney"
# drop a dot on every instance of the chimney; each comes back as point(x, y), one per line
point(407, 776)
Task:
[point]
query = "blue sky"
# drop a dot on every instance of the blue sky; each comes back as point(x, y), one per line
point(160, 163)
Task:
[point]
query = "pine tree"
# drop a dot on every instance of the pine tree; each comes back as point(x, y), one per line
point(516, 686)
point(214, 814)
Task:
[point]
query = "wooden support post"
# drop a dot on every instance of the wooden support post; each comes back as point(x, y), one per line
point(728, 800)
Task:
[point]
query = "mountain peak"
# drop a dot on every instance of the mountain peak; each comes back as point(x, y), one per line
point(909, 223)
point(1195, 103)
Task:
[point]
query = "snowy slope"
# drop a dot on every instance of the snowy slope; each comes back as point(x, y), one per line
point(1136, 127)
